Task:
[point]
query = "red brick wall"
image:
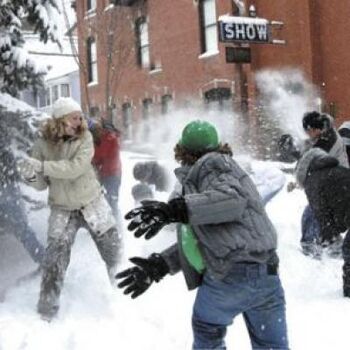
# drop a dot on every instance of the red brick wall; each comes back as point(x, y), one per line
point(316, 33)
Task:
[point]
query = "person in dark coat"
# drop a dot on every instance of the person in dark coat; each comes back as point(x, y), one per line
point(226, 245)
point(327, 187)
point(322, 134)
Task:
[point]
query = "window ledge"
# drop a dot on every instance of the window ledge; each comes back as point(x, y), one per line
point(155, 71)
point(90, 13)
point(209, 54)
point(108, 7)
point(92, 83)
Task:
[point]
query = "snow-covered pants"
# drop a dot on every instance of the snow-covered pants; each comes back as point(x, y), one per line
point(60, 240)
point(253, 290)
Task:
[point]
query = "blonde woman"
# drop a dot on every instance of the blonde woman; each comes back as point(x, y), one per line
point(61, 161)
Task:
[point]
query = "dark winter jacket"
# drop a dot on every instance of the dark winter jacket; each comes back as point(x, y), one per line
point(344, 132)
point(226, 214)
point(331, 142)
point(327, 187)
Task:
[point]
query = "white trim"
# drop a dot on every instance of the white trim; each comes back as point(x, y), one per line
point(108, 7)
point(155, 71)
point(92, 83)
point(90, 13)
point(245, 20)
point(208, 54)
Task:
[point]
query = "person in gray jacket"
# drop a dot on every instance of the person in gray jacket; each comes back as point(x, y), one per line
point(226, 245)
point(61, 161)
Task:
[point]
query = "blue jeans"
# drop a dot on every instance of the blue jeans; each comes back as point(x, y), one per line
point(310, 227)
point(111, 185)
point(251, 290)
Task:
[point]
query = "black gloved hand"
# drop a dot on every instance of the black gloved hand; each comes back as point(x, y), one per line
point(137, 279)
point(149, 219)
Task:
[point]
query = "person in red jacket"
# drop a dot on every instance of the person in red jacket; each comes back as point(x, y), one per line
point(106, 159)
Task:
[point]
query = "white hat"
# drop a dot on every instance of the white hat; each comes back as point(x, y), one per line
point(64, 106)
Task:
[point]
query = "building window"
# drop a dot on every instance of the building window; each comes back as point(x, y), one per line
point(55, 95)
point(146, 108)
point(166, 103)
point(47, 97)
point(218, 98)
point(42, 98)
point(65, 90)
point(127, 119)
point(92, 60)
point(91, 5)
point(209, 35)
point(143, 54)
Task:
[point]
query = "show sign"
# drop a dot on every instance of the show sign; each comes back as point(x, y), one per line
point(244, 29)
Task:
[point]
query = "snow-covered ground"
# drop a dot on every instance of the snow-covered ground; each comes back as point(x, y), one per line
point(93, 315)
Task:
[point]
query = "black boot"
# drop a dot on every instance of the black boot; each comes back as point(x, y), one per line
point(346, 280)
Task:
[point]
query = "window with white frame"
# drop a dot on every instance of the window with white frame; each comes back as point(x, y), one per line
point(91, 5)
point(92, 60)
point(41, 98)
point(65, 90)
point(218, 99)
point(143, 49)
point(166, 103)
point(127, 119)
point(209, 35)
point(48, 97)
point(55, 94)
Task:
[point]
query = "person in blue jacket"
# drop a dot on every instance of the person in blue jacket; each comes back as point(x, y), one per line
point(226, 245)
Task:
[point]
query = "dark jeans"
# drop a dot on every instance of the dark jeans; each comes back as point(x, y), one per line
point(112, 185)
point(250, 289)
point(310, 227)
point(311, 237)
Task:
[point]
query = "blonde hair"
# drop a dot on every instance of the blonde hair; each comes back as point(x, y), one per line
point(53, 130)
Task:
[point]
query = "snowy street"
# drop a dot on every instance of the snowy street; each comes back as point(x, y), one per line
point(100, 101)
point(94, 315)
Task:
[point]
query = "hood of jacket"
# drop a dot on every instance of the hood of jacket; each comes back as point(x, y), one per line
point(313, 159)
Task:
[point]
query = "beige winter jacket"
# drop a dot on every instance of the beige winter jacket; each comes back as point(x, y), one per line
point(67, 172)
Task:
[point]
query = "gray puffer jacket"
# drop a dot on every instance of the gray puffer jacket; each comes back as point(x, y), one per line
point(226, 214)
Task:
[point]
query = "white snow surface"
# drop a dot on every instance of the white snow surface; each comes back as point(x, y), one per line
point(94, 315)
point(13, 104)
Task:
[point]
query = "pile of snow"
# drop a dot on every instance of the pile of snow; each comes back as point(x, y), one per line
point(95, 315)
point(12, 104)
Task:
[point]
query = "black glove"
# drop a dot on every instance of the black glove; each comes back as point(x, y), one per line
point(149, 219)
point(137, 279)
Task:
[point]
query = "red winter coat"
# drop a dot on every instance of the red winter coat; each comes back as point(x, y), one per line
point(107, 155)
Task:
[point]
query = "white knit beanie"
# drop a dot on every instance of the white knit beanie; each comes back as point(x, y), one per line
point(64, 106)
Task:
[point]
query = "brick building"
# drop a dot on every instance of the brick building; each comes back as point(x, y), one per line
point(140, 57)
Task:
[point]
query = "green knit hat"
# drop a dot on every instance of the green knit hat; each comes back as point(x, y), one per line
point(199, 136)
